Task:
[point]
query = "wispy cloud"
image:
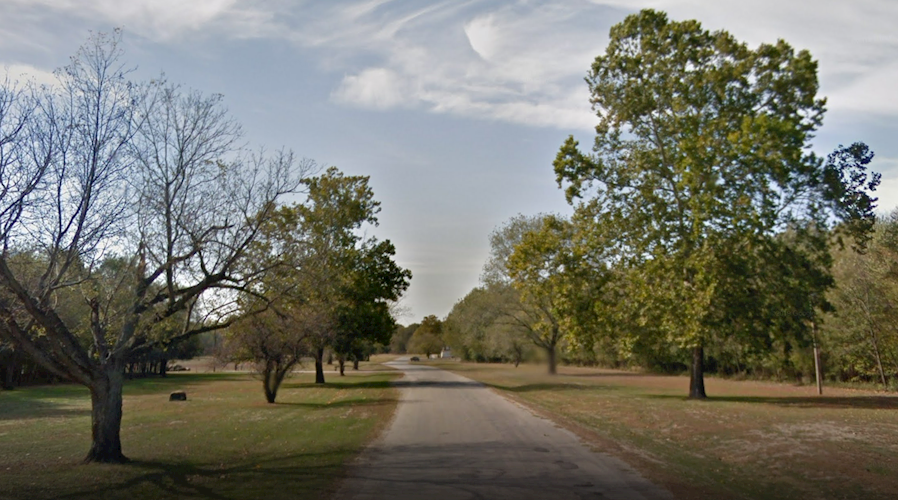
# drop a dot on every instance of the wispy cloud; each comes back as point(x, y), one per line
point(523, 62)
point(511, 63)
point(377, 88)
point(520, 62)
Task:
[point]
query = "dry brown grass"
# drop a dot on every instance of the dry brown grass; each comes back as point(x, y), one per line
point(748, 440)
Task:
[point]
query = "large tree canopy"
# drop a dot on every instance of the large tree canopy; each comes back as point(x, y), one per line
point(702, 152)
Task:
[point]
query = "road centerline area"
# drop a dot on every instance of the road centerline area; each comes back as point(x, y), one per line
point(453, 438)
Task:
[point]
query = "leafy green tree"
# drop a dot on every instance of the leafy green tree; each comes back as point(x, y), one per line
point(503, 240)
point(703, 144)
point(477, 328)
point(427, 338)
point(401, 336)
point(364, 316)
point(862, 332)
point(323, 270)
point(558, 290)
point(354, 278)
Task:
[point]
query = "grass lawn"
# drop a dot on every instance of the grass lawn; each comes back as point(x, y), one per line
point(748, 440)
point(225, 442)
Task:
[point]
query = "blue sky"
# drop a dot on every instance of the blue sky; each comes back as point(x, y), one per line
point(455, 108)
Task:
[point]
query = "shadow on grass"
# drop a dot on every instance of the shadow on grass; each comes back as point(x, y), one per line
point(844, 402)
point(615, 374)
point(338, 404)
point(552, 387)
point(447, 384)
point(302, 475)
point(152, 385)
point(30, 409)
point(369, 384)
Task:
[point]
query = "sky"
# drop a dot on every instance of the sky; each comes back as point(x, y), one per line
point(455, 109)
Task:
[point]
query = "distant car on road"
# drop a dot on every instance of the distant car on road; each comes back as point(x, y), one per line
point(416, 358)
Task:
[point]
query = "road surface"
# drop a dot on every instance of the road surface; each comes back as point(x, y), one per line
point(453, 438)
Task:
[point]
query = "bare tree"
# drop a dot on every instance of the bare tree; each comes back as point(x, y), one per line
point(100, 167)
point(276, 341)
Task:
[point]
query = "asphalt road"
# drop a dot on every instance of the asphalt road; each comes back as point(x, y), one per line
point(453, 438)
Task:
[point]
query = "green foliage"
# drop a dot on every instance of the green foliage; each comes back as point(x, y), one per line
point(401, 336)
point(701, 188)
point(328, 286)
point(477, 328)
point(860, 337)
point(427, 338)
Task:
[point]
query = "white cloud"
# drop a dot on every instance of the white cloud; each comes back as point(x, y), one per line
point(871, 92)
point(512, 63)
point(24, 72)
point(482, 35)
point(376, 88)
point(164, 20)
point(521, 62)
point(887, 192)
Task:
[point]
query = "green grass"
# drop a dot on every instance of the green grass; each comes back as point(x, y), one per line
point(225, 442)
point(756, 440)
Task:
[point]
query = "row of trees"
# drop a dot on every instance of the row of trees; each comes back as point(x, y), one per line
point(132, 217)
point(703, 222)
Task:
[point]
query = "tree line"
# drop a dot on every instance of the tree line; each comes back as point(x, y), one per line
point(706, 234)
point(133, 217)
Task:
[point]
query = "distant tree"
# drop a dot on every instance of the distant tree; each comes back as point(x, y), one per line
point(477, 328)
point(324, 270)
point(862, 332)
point(351, 276)
point(364, 316)
point(427, 338)
point(99, 167)
point(559, 292)
point(401, 336)
point(703, 145)
point(503, 240)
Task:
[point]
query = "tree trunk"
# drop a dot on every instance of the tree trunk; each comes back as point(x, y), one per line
point(882, 373)
point(269, 385)
point(9, 372)
point(163, 368)
point(106, 415)
point(342, 363)
point(319, 365)
point(355, 364)
point(697, 380)
point(818, 372)
point(553, 369)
